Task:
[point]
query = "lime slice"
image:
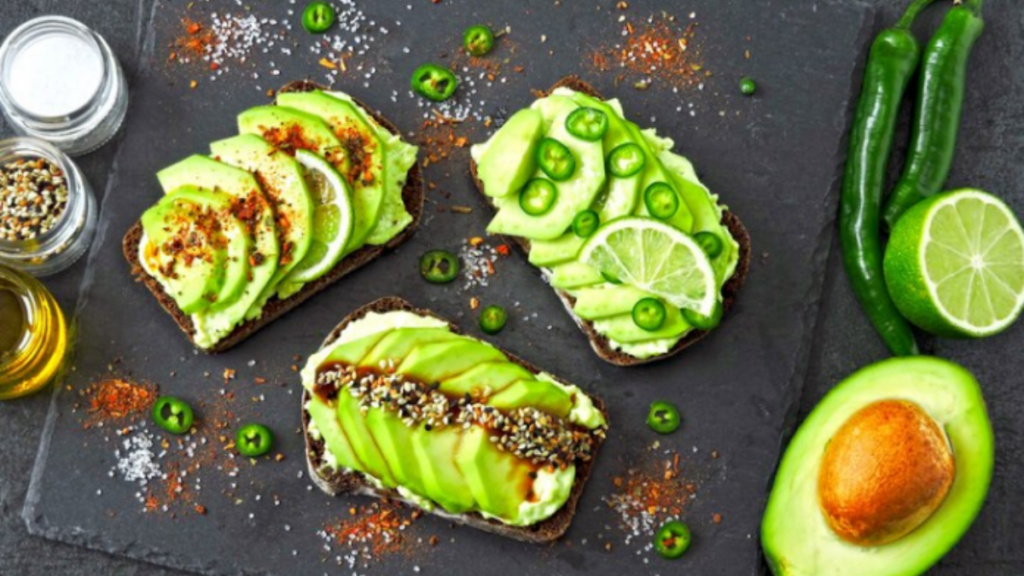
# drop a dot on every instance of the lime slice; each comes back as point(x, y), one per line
point(955, 265)
point(332, 218)
point(656, 258)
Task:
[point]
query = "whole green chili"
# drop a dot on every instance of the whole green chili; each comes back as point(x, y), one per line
point(891, 62)
point(940, 100)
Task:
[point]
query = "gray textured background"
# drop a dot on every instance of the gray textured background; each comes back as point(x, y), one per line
point(991, 145)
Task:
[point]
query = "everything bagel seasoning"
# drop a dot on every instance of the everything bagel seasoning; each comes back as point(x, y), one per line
point(33, 196)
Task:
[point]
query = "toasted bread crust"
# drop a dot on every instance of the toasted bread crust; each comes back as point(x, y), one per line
point(341, 482)
point(412, 195)
point(601, 345)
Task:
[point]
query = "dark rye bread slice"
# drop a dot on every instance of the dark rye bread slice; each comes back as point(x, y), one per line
point(341, 482)
point(599, 343)
point(412, 195)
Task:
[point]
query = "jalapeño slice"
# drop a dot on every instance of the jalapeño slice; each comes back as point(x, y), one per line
point(478, 40)
point(439, 266)
point(555, 159)
point(702, 322)
point(626, 160)
point(649, 314)
point(661, 200)
point(588, 124)
point(586, 223)
point(538, 196)
point(493, 319)
point(663, 418)
point(434, 82)
point(672, 540)
point(709, 242)
point(173, 414)
point(318, 17)
point(254, 440)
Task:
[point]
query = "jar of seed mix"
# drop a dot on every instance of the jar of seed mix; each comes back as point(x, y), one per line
point(33, 335)
point(47, 209)
point(59, 81)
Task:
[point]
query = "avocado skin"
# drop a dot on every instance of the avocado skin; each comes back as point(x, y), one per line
point(794, 535)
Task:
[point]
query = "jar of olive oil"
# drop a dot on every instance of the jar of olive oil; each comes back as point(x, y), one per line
point(33, 335)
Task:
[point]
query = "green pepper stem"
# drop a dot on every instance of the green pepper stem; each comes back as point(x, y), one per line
point(912, 13)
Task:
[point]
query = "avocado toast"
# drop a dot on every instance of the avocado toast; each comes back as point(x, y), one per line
point(598, 302)
point(289, 163)
point(445, 461)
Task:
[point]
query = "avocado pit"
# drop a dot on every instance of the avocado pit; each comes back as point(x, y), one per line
point(884, 473)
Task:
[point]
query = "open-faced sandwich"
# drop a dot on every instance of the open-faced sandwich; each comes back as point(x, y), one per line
point(643, 255)
point(311, 189)
point(400, 405)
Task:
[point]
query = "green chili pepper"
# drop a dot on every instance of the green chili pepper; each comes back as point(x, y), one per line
point(439, 266)
point(493, 319)
point(626, 160)
point(586, 223)
point(254, 440)
point(661, 200)
point(318, 17)
point(649, 314)
point(434, 82)
point(672, 540)
point(538, 196)
point(555, 159)
point(891, 63)
point(173, 414)
point(478, 40)
point(588, 124)
point(709, 242)
point(940, 99)
point(702, 322)
point(663, 418)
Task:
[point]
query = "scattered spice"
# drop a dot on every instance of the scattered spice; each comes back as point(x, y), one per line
point(655, 49)
point(117, 401)
point(478, 260)
point(33, 197)
point(371, 532)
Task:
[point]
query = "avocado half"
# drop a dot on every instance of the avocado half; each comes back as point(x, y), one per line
point(795, 535)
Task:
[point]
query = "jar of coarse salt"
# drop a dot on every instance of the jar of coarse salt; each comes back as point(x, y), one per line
point(60, 82)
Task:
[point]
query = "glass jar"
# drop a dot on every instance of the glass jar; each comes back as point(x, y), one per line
point(60, 81)
point(70, 236)
point(33, 335)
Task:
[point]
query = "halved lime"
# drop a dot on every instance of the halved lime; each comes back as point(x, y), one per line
point(955, 265)
point(332, 218)
point(656, 258)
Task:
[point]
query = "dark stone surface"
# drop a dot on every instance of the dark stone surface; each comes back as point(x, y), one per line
point(842, 342)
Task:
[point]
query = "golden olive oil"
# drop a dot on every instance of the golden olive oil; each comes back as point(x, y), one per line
point(33, 335)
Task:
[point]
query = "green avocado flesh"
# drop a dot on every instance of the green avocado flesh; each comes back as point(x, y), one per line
point(510, 156)
point(283, 180)
point(797, 540)
point(189, 234)
point(458, 469)
point(365, 151)
point(275, 208)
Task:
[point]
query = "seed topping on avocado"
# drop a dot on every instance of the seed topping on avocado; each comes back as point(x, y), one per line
point(524, 432)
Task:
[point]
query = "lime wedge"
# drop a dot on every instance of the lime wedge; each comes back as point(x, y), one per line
point(656, 258)
point(955, 265)
point(332, 218)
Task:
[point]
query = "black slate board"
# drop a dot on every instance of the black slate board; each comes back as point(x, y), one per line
point(774, 159)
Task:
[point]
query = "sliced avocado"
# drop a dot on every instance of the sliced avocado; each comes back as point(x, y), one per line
point(549, 252)
point(574, 274)
point(287, 129)
point(606, 300)
point(365, 150)
point(252, 207)
point(353, 352)
point(363, 442)
point(498, 481)
point(442, 361)
point(283, 180)
point(622, 328)
point(654, 172)
point(397, 344)
point(489, 378)
point(435, 450)
point(185, 245)
point(574, 195)
point(547, 397)
point(394, 439)
point(621, 194)
point(510, 158)
point(796, 538)
point(326, 419)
